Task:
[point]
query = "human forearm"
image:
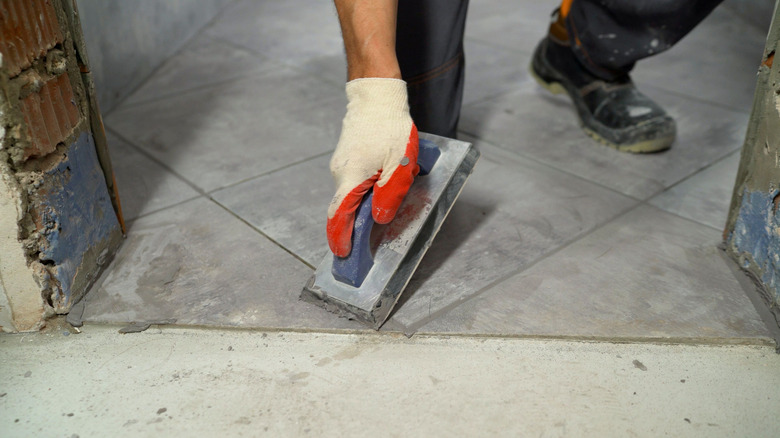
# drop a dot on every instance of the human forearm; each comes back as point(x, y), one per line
point(368, 28)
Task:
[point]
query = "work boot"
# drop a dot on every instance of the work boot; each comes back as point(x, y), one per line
point(613, 112)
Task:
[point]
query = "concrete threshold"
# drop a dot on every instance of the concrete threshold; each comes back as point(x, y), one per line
point(202, 382)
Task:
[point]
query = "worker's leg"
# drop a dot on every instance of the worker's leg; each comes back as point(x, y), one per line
point(429, 46)
point(591, 47)
point(609, 36)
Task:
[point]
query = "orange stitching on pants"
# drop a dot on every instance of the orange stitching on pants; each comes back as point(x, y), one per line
point(438, 71)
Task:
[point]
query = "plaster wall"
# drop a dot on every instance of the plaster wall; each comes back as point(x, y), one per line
point(18, 289)
point(127, 40)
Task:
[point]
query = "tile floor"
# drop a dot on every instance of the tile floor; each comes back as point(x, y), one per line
point(221, 159)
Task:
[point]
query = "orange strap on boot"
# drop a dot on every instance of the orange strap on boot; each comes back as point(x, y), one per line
point(565, 8)
point(558, 25)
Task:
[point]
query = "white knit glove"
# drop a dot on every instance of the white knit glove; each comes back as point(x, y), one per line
point(377, 149)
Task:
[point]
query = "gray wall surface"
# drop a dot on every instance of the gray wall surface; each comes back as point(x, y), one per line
point(758, 12)
point(127, 39)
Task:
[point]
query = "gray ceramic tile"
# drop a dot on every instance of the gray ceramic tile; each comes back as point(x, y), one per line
point(219, 135)
point(706, 196)
point(648, 274)
point(330, 68)
point(716, 62)
point(289, 206)
point(202, 266)
point(511, 213)
point(491, 70)
point(536, 124)
point(291, 31)
point(144, 186)
point(202, 62)
point(511, 24)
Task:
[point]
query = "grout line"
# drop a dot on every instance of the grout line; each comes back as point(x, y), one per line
point(259, 231)
point(759, 299)
point(257, 74)
point(687, 219)
point(176, 52)
point(203, 193)
point(696, 172)
point(207, 196)
point(158, 210)
point(269, 172)
point(550, 166)
point(282, 62)
point(714, 342)
point(661, 341)
point(695, 98)
point(153, 158)
point(413, 327)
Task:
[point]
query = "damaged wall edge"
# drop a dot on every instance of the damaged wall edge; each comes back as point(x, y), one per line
point(752, 233)
point(59, 219)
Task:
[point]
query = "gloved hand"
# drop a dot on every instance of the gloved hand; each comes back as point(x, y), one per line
point(377, 149)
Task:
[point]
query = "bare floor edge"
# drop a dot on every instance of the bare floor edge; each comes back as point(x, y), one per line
point(59, 324)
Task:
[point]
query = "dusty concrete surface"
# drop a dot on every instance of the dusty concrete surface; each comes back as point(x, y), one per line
point(192, 382)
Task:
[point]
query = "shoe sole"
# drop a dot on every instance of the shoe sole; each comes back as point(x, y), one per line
point(642, 147)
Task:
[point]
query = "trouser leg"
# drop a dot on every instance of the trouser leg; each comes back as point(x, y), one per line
point(609, 36)
point(429, 46)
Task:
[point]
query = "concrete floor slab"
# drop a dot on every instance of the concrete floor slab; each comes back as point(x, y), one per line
point(646, 275)
point(220, 135)
point(536, 124)
point(705, 196)
point(190, 382)
point(200, 265)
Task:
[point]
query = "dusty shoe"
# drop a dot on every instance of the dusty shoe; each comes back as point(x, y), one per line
point(614, 113)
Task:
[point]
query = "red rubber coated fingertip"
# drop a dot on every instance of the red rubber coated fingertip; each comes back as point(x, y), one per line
point(340, 226)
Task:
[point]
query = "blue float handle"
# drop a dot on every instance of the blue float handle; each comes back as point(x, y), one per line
point(354, 268)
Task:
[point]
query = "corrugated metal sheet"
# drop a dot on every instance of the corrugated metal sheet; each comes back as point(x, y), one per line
point(28, 29)
point(50, 116)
